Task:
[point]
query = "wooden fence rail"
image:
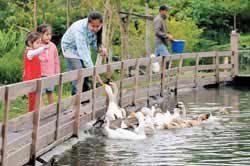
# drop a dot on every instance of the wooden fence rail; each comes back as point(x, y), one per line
point(26, 137)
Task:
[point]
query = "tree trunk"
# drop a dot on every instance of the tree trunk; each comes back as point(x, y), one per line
point(124, 28)
point(68, 6)
point(34, 14)
point(235, 22)
point(107, 28)
point(147, 44)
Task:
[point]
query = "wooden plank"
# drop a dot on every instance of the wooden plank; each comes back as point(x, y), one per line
point(224, 53)
point(206, 54)
point(86, 95)
point(59, 106)
point(68, 102)
point(136, 81)
point(144, 61)
point(22, 88)
point(20, 157)
point(129, 62)
point(188, 68)
point(4, 149)
point(176, 56)
point(36, 120)
point(77, 104)
point(116, 66)
point(50, 81)
point(69, 76)
point(156, 59)
point(188, 55)
point(242, 51)
point(88, 72)
point(128, 81)
point(2, 93)
point(225, 66)
point(101, 69)
point(207, 67)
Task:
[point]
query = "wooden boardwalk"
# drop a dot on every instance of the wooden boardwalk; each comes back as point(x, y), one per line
point(25, 138)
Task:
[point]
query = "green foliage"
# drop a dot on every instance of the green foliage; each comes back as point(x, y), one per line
point(185, 30)
point(11, 68)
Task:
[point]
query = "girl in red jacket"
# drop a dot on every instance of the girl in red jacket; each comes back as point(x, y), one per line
point(32, 68)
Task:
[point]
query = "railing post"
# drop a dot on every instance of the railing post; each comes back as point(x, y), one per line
point(137, 66)
point(149, 80)
point(178, 72)
point(234, 49)
point(36, 121)
point(163, 74)
point(94, 93)
point(4, 149)
point(121, 81)
point(196, 70)
point(59, 106)
point(77, 105)
point(217, 69)
point(168, 71)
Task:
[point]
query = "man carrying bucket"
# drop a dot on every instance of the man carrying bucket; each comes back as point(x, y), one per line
point(161, 35)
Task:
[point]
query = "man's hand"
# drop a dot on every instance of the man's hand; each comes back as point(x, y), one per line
point(170, 37)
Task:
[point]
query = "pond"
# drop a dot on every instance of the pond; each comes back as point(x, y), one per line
point(225, 141)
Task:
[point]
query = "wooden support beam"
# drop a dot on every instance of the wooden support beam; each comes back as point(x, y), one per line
point(137, 67)
point(94, 93)
point(59, 106)
point(178, 72)
point(163, 75)
point(4, 149)
point(77, 105)
point(196, 72)
point(36, 121)
point(122, 74)
point(217, 70)
point(149, 80)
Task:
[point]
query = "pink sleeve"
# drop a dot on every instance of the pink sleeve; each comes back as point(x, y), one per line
point(57, 61)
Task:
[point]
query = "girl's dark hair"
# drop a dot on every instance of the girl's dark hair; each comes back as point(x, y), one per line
point(95, 15)
point(43, 28)
point(32, 37)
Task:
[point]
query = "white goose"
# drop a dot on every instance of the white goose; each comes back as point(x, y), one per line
point(149, 124)
point(155, 65)
point(113, 111)
point(126, 134)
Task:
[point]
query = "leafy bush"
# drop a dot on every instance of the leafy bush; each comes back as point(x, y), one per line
point(185, 30)
point(11, 59)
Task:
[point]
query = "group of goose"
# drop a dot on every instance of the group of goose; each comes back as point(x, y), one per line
point(116, 124)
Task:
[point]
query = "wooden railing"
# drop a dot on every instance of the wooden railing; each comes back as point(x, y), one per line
point(25, 138)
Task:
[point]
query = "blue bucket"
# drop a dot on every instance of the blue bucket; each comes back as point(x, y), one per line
point(178, 46)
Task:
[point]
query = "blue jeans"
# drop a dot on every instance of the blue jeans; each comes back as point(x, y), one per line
point(161, 50)
point(74, 64)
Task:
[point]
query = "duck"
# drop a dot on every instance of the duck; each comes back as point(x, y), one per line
point(149, 124)
point(120, 133)
point(155, 65)
point(114, 111)
point(180, 111)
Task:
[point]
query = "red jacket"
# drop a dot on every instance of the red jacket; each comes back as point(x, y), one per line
point(32, 68)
